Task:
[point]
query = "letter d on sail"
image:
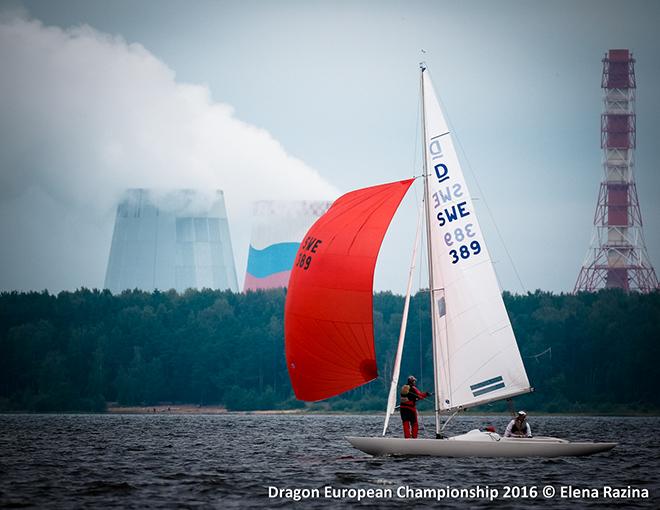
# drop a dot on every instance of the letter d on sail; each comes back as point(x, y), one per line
point(441, 172)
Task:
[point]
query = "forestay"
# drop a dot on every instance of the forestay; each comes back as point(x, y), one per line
point(396, 370)
point(476, 355)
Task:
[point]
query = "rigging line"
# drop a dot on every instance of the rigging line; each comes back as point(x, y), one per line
point(449, 419)
point(418, 305)
point(416, 140)
point(512, 410)
point(537, 356)
point(423, 257)
point(416, 153)
point(483, 197)
point(420, 262)
point(419, 315)
point(417, 301)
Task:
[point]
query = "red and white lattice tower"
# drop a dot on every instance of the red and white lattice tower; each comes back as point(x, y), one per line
point(617, 257)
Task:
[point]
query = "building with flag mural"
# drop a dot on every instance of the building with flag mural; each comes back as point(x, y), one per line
point(277, 230)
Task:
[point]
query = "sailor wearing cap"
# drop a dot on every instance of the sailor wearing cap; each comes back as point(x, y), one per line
point(518, 427)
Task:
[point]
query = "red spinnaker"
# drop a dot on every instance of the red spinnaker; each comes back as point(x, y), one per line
point(328, 318)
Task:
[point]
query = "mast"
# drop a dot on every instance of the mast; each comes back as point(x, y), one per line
point(422, 67)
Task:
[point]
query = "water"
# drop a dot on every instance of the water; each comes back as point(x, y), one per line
point(225, 461)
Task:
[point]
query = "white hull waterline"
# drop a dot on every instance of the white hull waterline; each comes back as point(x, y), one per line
point(477, 444)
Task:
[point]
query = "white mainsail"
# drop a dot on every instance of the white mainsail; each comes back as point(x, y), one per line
point(476, 356)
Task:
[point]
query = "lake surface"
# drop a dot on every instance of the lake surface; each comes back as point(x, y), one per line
point(230, 460)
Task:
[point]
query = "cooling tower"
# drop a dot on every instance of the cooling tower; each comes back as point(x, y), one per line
point(171, 240)
point(277, 230)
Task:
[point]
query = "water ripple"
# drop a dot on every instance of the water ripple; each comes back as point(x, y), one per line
point(230, 461)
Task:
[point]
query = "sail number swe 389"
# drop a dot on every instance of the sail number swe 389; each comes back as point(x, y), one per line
point(465, 250)
point(308, 247)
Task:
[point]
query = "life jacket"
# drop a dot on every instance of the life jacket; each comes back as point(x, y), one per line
point(518, 427)
point(410, 395)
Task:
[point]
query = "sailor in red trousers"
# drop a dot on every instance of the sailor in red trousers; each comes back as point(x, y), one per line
point(409, 396)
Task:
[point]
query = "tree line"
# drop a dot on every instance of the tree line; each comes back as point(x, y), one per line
point(77, 351)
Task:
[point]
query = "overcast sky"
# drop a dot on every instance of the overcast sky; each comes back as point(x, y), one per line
point(304, 99)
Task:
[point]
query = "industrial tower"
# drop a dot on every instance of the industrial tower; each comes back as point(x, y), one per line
point(617, 257)
point(177, 239)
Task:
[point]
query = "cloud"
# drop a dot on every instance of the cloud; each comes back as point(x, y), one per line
point(85, 115)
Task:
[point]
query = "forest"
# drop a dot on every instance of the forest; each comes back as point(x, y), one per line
point(84, 350)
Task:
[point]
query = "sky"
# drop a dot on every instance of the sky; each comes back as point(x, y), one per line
point(309, 100)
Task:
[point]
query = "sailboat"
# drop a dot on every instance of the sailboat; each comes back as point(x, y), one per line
point(329, 334)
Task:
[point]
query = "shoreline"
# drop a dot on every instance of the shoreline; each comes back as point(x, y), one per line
point(193, 409)
point(184, 409)
point(166, 409)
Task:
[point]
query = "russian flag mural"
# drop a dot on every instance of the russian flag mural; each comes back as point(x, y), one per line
point(277, 230)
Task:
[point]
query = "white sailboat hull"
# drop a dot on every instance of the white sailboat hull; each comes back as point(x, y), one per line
point(477, 444)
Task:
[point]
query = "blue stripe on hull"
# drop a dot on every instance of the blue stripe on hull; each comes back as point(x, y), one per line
point(272, 259)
